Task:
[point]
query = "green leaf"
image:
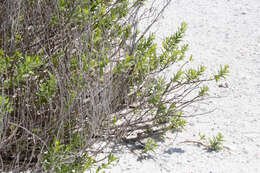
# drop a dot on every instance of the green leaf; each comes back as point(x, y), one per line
point(177, 76)
point(203, 90)
point(222, 73)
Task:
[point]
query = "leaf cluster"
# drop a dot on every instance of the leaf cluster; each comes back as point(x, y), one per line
point(78, 73)
point(215, 143)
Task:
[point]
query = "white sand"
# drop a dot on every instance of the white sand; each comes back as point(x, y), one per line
point(219, 32)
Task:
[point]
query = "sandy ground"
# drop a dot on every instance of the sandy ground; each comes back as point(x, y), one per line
point(219, 32)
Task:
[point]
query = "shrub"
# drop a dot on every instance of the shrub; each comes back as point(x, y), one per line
point(78, 73)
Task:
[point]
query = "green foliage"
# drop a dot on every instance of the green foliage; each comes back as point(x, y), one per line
point(193, 74)
point(222, 73)
point(5, 108)
point(215, 143)
point(111, 159)
point(177, 76)
point(47, 89)
point(61, 158)
point(70, 68)
point(5, 105)
point(202, 136)
point(177, 122)
point(150, 146)
point(203, 90)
